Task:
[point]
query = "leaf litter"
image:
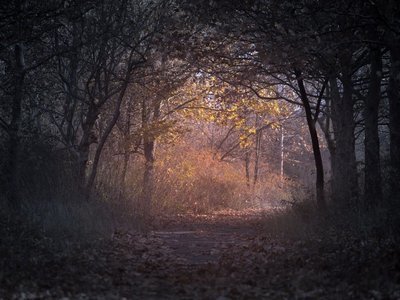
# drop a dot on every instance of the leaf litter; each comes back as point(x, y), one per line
point(220, 256)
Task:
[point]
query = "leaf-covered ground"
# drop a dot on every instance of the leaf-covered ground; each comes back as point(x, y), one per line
point(219, 256)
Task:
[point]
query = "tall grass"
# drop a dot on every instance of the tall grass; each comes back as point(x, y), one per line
point(186, 179)
point(52, 202)
point(301, 220)
point(193, 179)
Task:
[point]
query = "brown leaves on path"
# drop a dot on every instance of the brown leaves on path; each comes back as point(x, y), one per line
point(218, 256)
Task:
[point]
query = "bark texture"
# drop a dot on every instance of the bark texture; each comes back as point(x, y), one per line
point(344, 168)
point(319, 184)
point(11, 164)
point(394, 119)
point(372, 185)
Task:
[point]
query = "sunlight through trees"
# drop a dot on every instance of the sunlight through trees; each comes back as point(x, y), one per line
point(126, 113)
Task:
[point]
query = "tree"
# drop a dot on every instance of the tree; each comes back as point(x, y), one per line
point(116, 41)
point(26, 31)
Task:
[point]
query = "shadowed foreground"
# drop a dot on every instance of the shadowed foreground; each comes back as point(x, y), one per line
point(219, 256)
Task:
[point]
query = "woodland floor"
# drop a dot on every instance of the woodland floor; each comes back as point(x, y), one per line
point(219, 256)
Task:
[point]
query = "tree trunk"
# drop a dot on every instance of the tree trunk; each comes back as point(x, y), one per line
point(148, 178)
point(149, 141)
point(325, 125)
point(11, 166)
point(257, 151)
point(319, 184)
point(247, 167)
point(394, 119)
point(125, 164)
point(345, 185)
point(372, 184)
point(87, 139)
point(72, 89)
point(104, 137)
point(282, 162)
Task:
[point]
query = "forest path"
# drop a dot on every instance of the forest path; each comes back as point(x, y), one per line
point(200, 239)
point(223, 256)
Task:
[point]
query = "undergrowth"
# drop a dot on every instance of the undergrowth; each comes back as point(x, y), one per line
point(301, 220)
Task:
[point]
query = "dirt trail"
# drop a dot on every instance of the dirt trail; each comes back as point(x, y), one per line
point(179, 259)
point(200, 239)
point(220, 256)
